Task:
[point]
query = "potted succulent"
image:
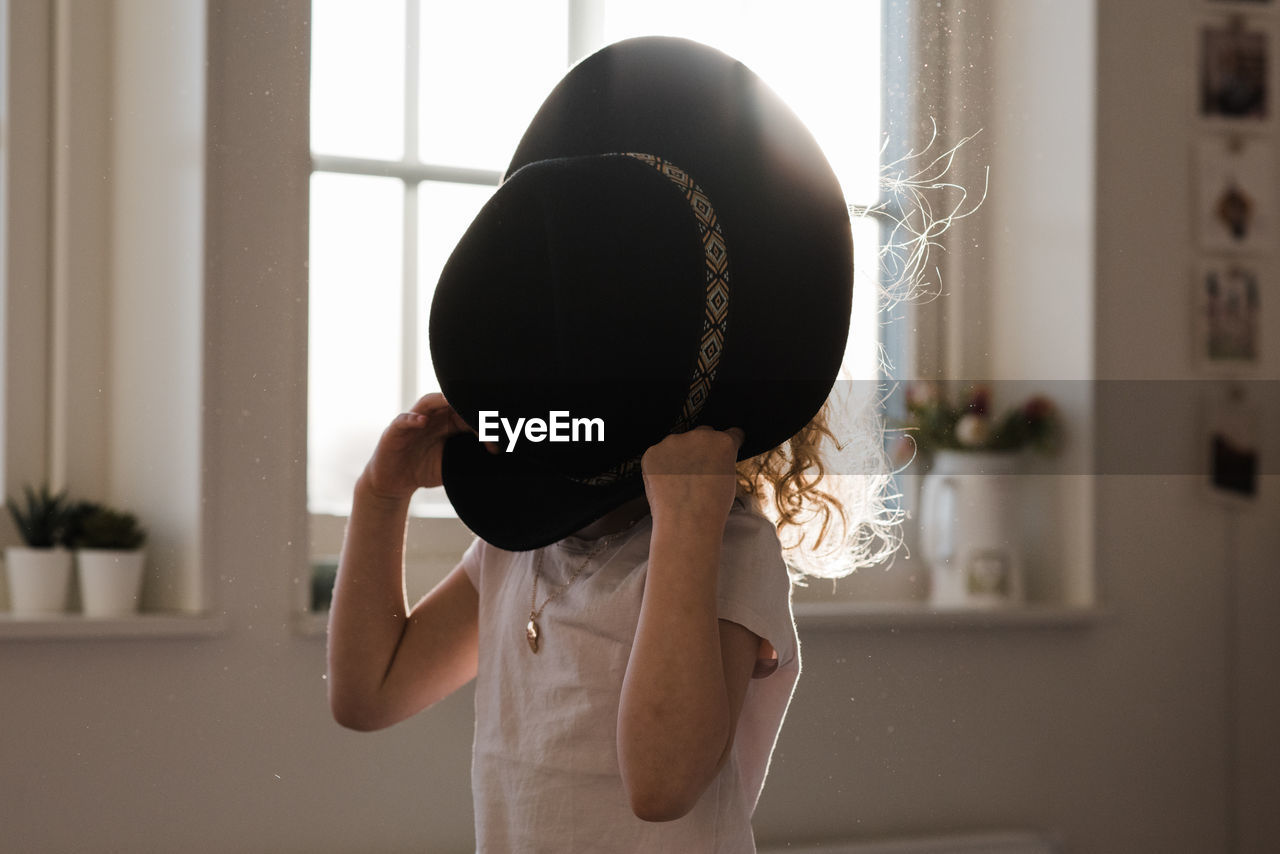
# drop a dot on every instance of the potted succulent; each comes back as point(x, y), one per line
point(40, 570)
point(109, 559)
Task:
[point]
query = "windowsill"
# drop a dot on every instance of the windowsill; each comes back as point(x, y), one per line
point(894, 615)
point(71, 626)
point(856, 615)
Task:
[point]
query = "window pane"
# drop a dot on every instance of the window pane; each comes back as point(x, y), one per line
point(821, 56)
point(486, 66)
point(444, 212)
point(862, 351)
point(484, 69)
point(357, 78)
point(355, 341)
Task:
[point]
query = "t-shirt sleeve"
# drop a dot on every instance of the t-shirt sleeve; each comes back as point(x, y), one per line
point(472, 558)
point(754, 584)
point(755, 592)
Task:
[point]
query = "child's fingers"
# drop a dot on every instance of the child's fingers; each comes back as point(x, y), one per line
point(404, 430)
point(435, 404)
point(457, 424)
point(409, 420)
point(735, 432)
point(702, 450)
point(429, 403)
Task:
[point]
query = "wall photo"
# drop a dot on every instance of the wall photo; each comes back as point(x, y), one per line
point(1233, 441)
point(1228, 309)
point(1236, 74)
point(1236, 197)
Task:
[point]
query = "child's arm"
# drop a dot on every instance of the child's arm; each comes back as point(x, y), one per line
point(385, 663)
point(688, 672)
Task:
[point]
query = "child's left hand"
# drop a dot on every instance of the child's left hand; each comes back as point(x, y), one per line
point(691, 475)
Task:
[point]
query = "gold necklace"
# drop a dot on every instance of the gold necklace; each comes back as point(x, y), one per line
point(533, 631)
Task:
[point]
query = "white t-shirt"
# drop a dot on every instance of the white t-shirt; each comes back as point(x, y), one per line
point(545, 774)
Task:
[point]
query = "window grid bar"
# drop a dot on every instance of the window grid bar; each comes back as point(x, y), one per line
point(404, 170)
point(409, 290)
point(409, 301)
point(412, 11)
point(586, 28)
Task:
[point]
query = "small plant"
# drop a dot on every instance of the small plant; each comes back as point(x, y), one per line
point(44, 518)
point(97, 526)
point(936, 423)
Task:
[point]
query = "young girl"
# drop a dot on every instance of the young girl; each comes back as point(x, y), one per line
point(625, 611)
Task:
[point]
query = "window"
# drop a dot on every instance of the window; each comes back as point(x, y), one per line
point(416, 108)
point(103, 238)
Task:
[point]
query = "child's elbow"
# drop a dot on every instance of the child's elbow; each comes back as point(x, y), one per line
point(661, 802)
point(356, 716)
point(357, 723)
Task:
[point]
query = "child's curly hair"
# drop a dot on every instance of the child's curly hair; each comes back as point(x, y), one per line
point(830, 521)
point(831, 497)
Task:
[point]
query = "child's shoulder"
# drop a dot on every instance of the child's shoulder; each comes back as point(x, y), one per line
point(746, 514)
point(749, 528)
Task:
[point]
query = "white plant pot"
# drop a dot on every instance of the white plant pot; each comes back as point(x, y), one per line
point(969, 529)
point(110, 581)
point(39, 580)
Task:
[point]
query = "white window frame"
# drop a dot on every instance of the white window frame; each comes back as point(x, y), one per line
point(433, 541)
point(104, 279)
point(583, 19)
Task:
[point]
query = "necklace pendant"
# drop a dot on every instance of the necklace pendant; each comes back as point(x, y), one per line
point(532, 633)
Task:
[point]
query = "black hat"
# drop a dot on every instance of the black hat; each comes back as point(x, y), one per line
point(669, 248)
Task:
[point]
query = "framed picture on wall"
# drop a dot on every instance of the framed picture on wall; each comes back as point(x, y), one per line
point(1236, 193)
point(1242, 5)
point(1235, 69)
point(1228, 312)
point(1231, 442)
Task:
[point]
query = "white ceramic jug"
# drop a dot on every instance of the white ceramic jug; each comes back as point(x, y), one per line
point(969, 529)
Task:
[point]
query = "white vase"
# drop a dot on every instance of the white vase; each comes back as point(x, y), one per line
point(39, 580)
point(969, 529)
point(110, 581)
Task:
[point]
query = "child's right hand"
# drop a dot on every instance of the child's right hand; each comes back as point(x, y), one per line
point(408, 454)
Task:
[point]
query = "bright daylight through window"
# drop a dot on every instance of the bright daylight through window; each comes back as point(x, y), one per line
point(416, 107)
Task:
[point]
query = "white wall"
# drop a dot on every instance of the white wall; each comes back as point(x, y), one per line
point(1035, 261)
point(1041, 202)
point(1131, 735)
point(157, 272)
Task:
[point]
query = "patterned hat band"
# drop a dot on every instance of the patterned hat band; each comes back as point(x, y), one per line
point(715, 321)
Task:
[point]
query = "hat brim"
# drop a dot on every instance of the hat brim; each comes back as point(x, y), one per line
point(515, 506)
point(791, 266)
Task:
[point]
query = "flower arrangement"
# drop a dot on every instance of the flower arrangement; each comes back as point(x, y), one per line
point(935, 422)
